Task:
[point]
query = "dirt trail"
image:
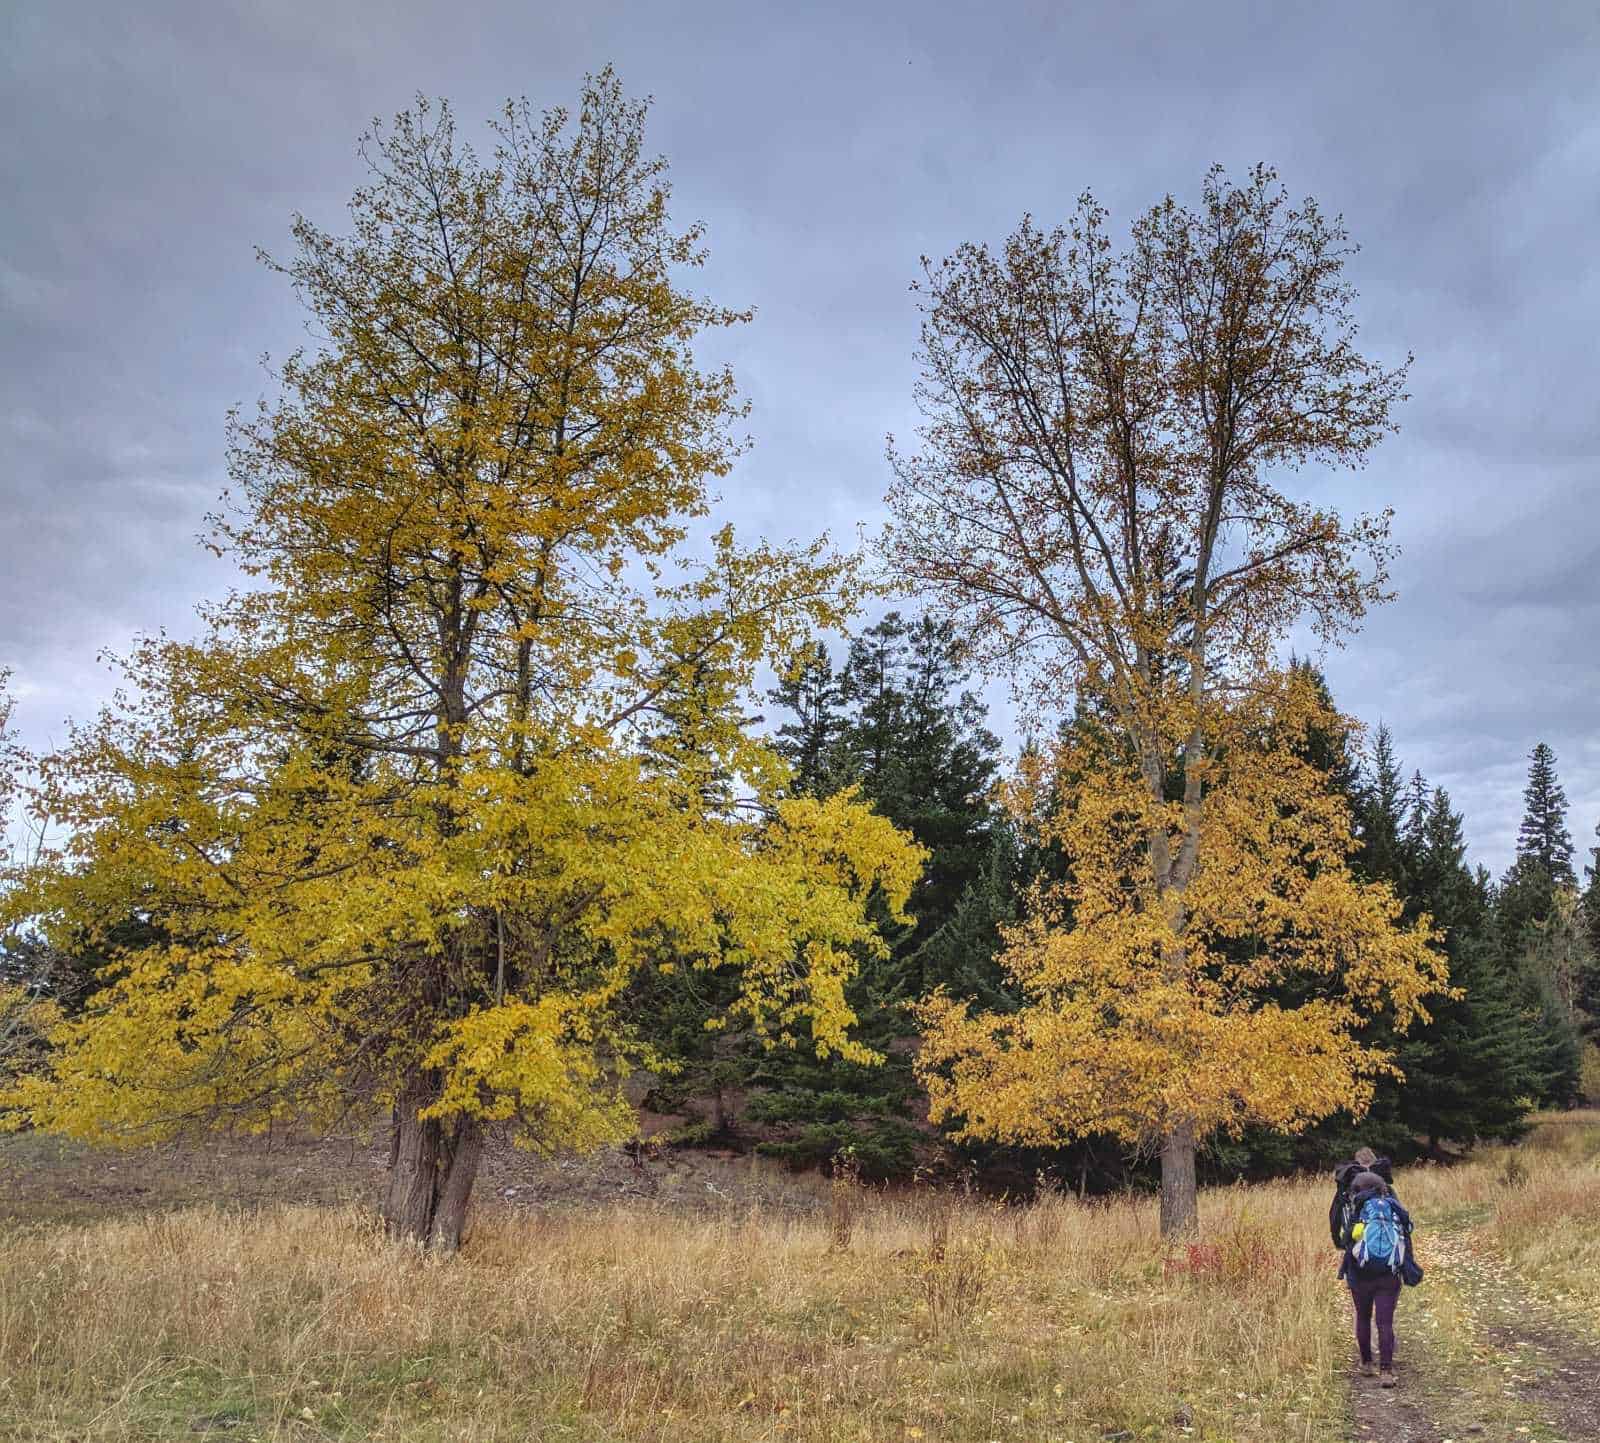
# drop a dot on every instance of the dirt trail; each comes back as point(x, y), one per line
point(1479, 1359)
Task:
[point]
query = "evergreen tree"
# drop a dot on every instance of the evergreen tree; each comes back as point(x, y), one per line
point(1543, 941)
point(1468, 1073)
point(916, 743)
point(1417, 809)
point(1379, 811)
point(960, 955)
point(1556, 1046)
point(809, 742)
point(1590, 992)
point(1543, 837)
point(1327, 749)
point(895, 722)
point(1543, 864)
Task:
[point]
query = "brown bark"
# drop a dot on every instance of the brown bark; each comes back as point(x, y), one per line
point(1179, 1214)
point(434, 1165)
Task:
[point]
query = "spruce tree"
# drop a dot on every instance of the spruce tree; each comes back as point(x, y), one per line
point(1543, 836)
point(1328, 749)
point(1556, 1045)
point(1468, 1072)
point(960, 955)
point(1379, 810)
point(916, 742)
point(1543, 865)
point(1590, 998)
point(809, 740)
point(1416, 811)
point(896, 722)
point(1543, 939)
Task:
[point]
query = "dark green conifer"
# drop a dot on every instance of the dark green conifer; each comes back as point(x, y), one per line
point(809, 739)
point(1468, 1071)
point(1378, 811)
point(1543, 837)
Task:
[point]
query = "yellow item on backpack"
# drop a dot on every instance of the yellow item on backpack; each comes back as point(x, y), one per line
point(1356, 1231)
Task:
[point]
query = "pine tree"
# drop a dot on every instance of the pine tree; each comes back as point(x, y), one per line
point(1543, 865)
point(1528, 893)
point(1542, 937)
point(1556, 1052)
point(960, 955)
point(1328, 749)
point(919, 748)
point(1417, 808)
point(1468, 1072)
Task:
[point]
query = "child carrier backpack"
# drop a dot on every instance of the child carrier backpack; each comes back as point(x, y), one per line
point(1347, 1210)
point(1382, 1244)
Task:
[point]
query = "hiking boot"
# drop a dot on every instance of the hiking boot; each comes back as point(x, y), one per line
point(1386, 1378)
point(1368, 1371)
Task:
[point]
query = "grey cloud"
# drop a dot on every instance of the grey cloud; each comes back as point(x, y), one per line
point(146, 150)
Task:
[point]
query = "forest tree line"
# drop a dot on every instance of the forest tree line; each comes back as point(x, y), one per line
point(898, 719)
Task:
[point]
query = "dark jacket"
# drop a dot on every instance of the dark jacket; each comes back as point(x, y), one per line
point(1349, 1268)
point(1341, 1187)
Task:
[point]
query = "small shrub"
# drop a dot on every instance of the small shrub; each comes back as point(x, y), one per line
point(1515, 1172)
point(698, 1133)
point(952, 1270)
point(953, 1283)
point(881, 1149)
point(843, 1191)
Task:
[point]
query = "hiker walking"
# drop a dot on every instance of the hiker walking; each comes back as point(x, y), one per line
point(1363, 1160)
point(1375, 1234)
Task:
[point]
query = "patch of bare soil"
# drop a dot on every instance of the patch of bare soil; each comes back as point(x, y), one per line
point(1554, 1372)
point(1395, 1415)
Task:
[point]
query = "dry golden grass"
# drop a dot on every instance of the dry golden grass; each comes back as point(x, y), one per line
point(939, 1319)
point(1547, 1216)
point(919, 1316)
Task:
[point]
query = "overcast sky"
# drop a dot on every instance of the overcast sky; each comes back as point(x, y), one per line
point(146, 149)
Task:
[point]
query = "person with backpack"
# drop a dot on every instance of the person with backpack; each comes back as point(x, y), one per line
point(1365, 1160)
point(1376, 1238)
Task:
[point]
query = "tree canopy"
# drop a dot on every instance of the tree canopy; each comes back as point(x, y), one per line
point(1095, 501)
point(404, 811)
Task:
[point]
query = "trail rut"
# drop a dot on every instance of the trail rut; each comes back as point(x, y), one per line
point(1480, 1359)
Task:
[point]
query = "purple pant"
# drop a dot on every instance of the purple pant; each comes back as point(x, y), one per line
point(1381, 1293)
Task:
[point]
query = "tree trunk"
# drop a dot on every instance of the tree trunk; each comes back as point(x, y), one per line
point(1179, 1212)
point(433, 1166)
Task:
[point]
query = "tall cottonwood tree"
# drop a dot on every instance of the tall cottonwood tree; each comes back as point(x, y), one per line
point(423, 801)
point(1096, 503)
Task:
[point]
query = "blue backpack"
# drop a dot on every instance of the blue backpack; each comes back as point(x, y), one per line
point(1382, 1244)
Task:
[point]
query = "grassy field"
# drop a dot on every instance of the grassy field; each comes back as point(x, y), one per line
point(918, 1316)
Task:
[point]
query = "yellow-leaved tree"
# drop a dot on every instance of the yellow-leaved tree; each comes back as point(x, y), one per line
point(27, 1011)
point(1099, 502)
point(418, 803)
